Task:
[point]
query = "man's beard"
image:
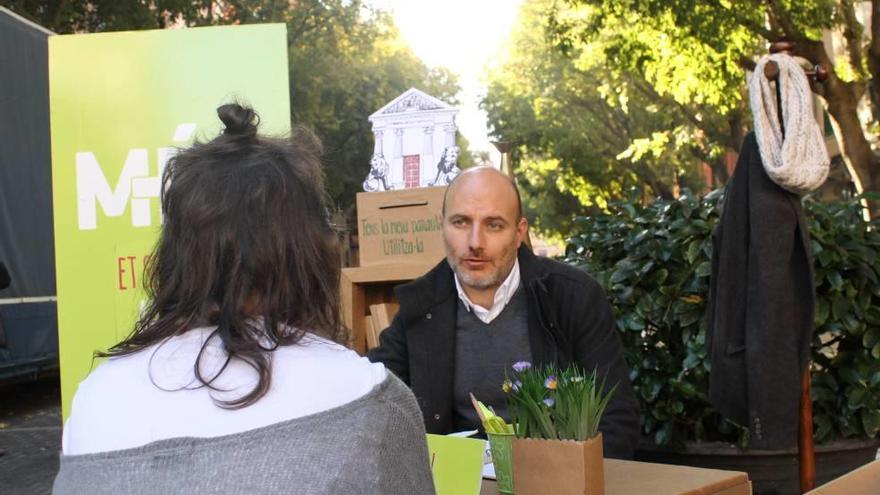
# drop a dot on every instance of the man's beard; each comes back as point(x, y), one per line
point(479, 282)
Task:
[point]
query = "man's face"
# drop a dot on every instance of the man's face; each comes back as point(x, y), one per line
point(481, 230)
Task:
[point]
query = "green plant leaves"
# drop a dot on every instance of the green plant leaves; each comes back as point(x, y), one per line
point(870, 421)
point(546, 402)
point(704, 269)
point(821, 312)
point(856, 397)
point(654, 261)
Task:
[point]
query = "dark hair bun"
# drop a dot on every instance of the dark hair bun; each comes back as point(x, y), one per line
point(239, 120)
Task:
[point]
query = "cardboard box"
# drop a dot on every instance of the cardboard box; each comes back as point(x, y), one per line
point(643, 478)
point(361, 287)
point(562, 467)
point(381, 316)
point(862, 481)
point(370, 333)
point(402, 226)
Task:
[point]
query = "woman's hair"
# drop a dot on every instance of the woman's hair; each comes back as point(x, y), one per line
point(246, 246)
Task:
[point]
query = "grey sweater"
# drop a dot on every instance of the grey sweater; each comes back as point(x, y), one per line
point(373, 445)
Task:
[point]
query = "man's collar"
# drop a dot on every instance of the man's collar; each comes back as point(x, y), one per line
point(529, 268)
point(438, 285)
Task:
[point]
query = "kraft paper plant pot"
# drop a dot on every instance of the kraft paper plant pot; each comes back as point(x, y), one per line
point(561, 467)
point(502, 459)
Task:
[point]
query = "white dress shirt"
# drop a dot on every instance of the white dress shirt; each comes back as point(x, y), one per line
point(308, 377)
point(502, 296)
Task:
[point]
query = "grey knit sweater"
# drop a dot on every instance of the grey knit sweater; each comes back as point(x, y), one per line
point(373, 445)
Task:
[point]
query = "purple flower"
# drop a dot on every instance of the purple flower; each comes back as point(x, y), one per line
point(549, 402)
point(521, 366)
point(550, 382)
point(516, 386)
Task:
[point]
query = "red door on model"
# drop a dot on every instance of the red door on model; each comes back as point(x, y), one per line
point(411, 171)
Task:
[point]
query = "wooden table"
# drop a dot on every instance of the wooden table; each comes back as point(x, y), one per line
point(635, 478)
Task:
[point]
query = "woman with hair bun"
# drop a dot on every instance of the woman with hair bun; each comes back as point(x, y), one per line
point(235, 379)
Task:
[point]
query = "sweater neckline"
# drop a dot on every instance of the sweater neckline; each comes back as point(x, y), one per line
point(171, 444)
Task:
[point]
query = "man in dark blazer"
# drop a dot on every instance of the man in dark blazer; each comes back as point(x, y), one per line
point(493, 303)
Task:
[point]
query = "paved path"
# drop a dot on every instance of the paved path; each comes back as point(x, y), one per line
point(30, 433)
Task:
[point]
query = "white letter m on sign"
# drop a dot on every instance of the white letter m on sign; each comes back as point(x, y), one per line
point(93, 189)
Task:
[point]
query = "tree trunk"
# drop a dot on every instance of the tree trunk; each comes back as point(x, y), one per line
point(874, 60)
point(736, 133)
point(719, 171)
point(842, 99)
point(861, 161)
point(648, 177)
point(658, 186)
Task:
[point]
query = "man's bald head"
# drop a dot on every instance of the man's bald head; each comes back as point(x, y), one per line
point(483, 229)
point(488, 177)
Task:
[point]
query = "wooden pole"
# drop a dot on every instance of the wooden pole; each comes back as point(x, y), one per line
point(806, 451)
point(806, 454)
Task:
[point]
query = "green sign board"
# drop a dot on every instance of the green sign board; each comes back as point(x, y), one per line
point(456, 464)
point(121, 104)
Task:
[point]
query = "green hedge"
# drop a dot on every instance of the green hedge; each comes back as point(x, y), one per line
point(654, 262)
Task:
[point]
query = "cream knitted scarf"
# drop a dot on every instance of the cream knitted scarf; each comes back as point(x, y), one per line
point(799, 163)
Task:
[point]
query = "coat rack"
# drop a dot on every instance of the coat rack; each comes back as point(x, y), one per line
point(806, 451)
point(771, 72)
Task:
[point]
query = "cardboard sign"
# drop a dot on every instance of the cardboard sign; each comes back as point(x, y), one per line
point(456, 463)
point(402, 226)
point(625, 477)
point(862, 481)
point(121, 104)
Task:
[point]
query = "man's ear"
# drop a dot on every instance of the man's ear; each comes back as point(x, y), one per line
point(522, 230)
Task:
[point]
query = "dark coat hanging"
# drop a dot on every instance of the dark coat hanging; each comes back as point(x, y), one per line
point(761, 302)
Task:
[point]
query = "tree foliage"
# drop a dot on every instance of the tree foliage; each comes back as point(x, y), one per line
point(590, 120)
point(348, 64)
point(688, 60)
point(725, 37)
point(346, 60)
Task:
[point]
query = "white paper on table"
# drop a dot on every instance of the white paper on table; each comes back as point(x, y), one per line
point(463, 434)
point(488, 466)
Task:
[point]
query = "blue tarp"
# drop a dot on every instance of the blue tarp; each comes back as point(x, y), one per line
point(26, 235)
point(28, 331)
point(31, 347)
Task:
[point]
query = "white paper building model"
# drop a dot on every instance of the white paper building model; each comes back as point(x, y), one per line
point(414, 143)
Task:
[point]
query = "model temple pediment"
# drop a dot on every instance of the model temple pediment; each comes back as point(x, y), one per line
point(414, 143)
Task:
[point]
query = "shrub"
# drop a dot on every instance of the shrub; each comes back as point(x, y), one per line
point(654, 263)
